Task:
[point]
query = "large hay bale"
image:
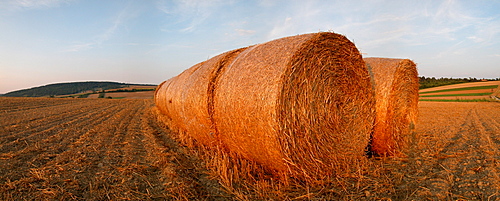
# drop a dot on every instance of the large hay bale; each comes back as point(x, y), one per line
point(161, 96)
point(188, 97)
point(300, 105)
point(396, 93)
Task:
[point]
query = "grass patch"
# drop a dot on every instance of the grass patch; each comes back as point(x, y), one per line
point(458, 100)
point(462, 89)
point(448, 95)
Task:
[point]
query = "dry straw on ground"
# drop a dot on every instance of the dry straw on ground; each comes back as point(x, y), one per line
point(300, 106)
point(396, 94)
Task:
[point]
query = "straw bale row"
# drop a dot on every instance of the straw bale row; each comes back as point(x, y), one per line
point(187, 98)
point(302, 106)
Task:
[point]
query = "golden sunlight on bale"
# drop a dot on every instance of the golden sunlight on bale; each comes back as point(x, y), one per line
point(301, 106)
point(396, 93)
point(187, 98)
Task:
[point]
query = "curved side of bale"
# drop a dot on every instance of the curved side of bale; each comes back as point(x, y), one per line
point(245, 101)
point(326, 107)
point(396, 94)
point(292, 103)
point(190, 96)
point(217, 70)
point(171, 99)
point(160, 96)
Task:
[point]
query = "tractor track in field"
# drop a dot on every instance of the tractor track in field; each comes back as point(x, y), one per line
point(467, 167)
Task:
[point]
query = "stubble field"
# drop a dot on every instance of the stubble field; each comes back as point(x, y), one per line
point(99, 149)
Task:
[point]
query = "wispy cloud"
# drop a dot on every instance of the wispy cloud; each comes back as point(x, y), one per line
point(284, 27)
point(80, 47)
point(189, 14)
point(12, 5)
point(115, 23)
point(244, 32)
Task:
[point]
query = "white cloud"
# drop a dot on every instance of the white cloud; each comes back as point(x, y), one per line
point(122, 17)
point(13, 5)
point(282, 28)
point(475, 39)
point(190, 13)
point(244, 32)
point(79, 47)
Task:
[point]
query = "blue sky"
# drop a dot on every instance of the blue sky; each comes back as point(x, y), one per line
point(149, 41)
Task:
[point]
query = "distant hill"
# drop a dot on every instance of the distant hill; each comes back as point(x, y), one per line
point(69, 88)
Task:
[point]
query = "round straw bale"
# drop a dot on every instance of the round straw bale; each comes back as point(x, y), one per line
point(396, 93)
point(161, 96)
point(300, 105)
point(188, 98)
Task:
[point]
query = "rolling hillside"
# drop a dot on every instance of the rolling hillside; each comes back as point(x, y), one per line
point(60, 89)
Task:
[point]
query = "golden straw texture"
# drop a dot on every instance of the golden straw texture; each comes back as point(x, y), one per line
point(300, 105)
point(396, 93)
point(187, 99)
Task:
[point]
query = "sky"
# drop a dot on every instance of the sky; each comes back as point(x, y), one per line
point(149, 41)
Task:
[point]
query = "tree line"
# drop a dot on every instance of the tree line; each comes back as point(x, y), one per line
point(428, 82)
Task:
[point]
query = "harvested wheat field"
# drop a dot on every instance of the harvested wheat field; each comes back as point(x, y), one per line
point(466, 92)
point(99, 149)
point(462, 85)
point(94, 149)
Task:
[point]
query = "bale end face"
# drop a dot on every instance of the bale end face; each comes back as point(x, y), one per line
point(396, 93)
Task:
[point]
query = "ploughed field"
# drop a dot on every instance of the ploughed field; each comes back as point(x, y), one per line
point(100, 149)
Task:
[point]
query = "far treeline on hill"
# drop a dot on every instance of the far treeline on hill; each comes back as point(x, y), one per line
point(428, 82)
point(58, 89)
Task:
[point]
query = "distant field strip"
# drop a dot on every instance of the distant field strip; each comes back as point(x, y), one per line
point(461, 89)
point(457, 100)
point(447, 95)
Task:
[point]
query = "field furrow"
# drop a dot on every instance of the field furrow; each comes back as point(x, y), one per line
point(99, 149)
point(9, 105)
point(18, 140)
point(187, 176)
point(81, 152)
point(465, 166)
point(40, 148)
point(36, 118)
